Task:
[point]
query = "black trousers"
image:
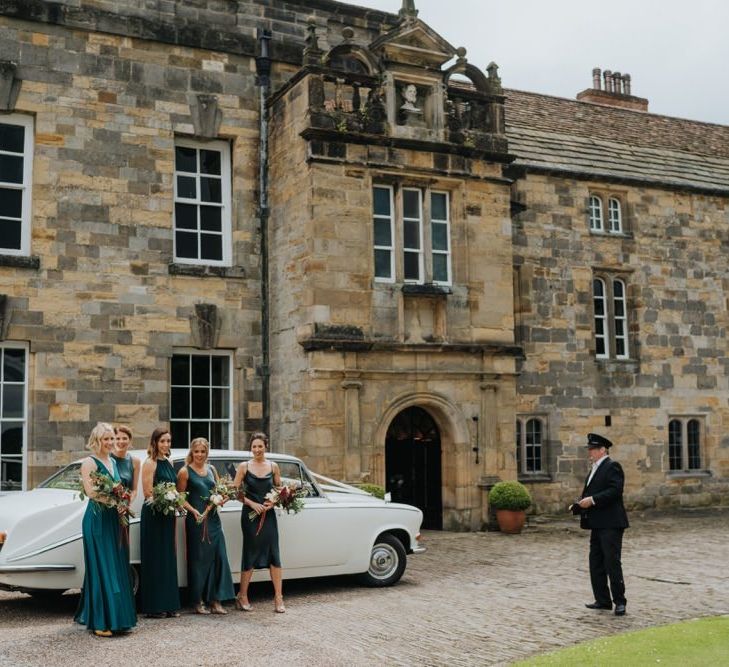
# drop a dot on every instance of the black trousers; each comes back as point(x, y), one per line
point(605, 547)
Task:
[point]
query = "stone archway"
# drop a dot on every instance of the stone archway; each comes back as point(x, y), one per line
point(413, 464)
point(455, 447)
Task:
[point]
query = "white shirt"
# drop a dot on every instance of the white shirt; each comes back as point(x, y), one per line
point(595, 466)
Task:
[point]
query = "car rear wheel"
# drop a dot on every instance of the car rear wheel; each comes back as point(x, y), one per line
point(387, 562)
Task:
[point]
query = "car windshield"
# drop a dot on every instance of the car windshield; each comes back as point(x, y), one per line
point(69, 478)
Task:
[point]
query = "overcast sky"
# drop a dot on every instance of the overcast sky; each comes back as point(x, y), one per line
point(676, 51)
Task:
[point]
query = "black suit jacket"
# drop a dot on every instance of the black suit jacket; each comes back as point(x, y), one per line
point(606, 489)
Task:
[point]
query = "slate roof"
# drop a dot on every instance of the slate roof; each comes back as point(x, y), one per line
point(595, 141)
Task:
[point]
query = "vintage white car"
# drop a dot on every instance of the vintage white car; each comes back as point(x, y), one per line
point(342, 530)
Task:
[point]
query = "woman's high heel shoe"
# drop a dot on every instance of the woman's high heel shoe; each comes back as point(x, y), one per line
point(242, 606)
point(217, 608)
point(201, 609)
point(103, 633)
point(278, 605)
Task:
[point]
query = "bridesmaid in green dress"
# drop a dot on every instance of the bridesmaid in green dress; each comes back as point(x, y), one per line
point(260, 549)
point(127, 465)
point(107, 603)
point(160, 595)
point(209, 579)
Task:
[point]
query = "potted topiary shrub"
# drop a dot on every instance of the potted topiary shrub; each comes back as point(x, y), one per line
point(510, 500)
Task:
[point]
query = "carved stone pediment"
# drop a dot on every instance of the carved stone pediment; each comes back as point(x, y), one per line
point(414, 42)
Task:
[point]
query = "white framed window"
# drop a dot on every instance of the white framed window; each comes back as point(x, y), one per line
point(615, 216)
point(440, 234)
point(531, 433)
point(384, 227)
point(13, 416)
point(414, 222)
point(16, 178)
point(685, 442)
point(202, 217)
point(412, 235)
point(595, 210)
point(610, 312)
point(201, 398)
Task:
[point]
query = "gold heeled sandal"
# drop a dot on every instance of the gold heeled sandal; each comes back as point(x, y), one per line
point(278, 605)
point(242, 606)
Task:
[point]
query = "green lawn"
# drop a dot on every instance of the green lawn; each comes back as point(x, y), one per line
point(701, 642)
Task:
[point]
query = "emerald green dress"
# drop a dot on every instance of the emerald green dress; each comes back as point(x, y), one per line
point(107, 602)
point(125, 467)
point(208, 571)
point(158, 552)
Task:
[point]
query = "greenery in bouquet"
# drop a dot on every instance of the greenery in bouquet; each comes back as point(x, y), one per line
point(110, 493)
point(221, 493)
point(166, 499)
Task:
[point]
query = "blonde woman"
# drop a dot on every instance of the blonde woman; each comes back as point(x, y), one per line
point(160, 595)
point(260, 548)
point(107, 602)
point(208, 573)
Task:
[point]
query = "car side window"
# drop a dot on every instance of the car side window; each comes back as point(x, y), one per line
point(292, 473)
point(225, 467)
point(69, 478)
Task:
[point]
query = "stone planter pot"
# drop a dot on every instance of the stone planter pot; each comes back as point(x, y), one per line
point(511, 521)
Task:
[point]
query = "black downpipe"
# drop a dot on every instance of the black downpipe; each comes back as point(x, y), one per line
point(263, 81)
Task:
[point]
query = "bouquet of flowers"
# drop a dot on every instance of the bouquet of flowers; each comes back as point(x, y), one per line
point(219, 494)
point(289, 497)
point(112, 494)
point(166, 499)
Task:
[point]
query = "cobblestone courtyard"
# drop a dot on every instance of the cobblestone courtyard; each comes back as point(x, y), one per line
point(472, 599)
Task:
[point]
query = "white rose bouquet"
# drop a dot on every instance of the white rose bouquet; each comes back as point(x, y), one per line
point(166, 499)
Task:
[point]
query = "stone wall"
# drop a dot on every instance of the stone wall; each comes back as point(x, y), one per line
point(671, 259)
point(106, 308)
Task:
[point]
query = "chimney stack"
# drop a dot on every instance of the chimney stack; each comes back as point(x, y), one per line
point(612, 89)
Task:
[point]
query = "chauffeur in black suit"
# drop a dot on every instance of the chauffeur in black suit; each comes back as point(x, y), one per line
point(601, 511)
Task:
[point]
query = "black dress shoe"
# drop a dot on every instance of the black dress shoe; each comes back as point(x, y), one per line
point(620, 610)
point(598, 605)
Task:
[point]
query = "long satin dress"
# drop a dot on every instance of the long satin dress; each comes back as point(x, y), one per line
point(125, 467)
point(158, 550)
point(107, 602)
point(259, 551)
point(208, 571)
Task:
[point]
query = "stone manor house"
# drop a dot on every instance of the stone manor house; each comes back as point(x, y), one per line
point(324, 221)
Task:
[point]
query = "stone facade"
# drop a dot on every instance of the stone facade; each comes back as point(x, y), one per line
point(325, 351)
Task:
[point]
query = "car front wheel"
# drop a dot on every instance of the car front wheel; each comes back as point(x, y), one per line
point(387, 562)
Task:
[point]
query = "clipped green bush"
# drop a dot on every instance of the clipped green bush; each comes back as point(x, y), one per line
point(509, 496)
point(375, 489)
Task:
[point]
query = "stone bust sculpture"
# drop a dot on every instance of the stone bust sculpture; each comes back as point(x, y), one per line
point(410, 97)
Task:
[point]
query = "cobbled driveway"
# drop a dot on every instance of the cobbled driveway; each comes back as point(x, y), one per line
point(472, 599)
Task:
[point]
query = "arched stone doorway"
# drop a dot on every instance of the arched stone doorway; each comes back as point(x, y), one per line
point(413, 464)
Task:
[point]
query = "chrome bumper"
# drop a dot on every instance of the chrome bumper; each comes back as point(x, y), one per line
point(15, 569)
point(419, 549)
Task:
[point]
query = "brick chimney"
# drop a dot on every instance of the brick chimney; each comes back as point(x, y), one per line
point(612, 89)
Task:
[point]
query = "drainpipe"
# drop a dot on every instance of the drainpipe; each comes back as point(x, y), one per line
point(263, 81)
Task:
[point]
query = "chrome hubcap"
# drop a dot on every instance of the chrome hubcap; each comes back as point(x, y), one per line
point(383, 561)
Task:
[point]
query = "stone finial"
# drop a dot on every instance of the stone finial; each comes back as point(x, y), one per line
point(206, 116)
point(348, 34)
point(408, 11)
point(461, 53)
point(205, 325)
point(9, 85)
point(312, 52)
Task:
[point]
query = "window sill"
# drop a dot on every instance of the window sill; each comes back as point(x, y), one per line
point(20, 262)
point(201, 271)
point(688, 474)
point(612, 235)
point(427, 289)
point(534, 478)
